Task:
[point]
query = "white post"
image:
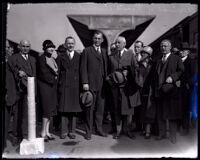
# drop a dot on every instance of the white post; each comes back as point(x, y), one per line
point(32, 145)
point(31, 108)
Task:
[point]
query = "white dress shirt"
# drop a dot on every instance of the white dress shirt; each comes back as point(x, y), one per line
point(122, 51)
point(184, 58)
point(25, 56)
point(70, 54)
point(164, 58)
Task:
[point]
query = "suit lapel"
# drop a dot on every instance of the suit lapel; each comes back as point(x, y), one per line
point(95, 53)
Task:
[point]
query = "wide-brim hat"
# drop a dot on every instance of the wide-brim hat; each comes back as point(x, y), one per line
point(118, 77)
point(48, 44)
point(167, 88)
point(87, 98)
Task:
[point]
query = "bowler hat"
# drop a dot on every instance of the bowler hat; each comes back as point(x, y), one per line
point(87, 98)
point(48, 44)
point(167, 88)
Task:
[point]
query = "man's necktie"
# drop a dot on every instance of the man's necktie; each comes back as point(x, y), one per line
point(98, 51)
point(119, 54)
point(164, 58)
point(26, 56)
point(69, 56)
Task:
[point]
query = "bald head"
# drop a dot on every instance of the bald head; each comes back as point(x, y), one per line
point(24, 46)
point(120, 43)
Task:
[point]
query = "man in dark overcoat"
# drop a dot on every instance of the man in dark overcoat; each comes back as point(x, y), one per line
point(138, 47)
point(22, 65)
point(186, 83)
point(168, 71)
point(68, 87)
point(11, 96)
point(124, 99)
point(93, 71)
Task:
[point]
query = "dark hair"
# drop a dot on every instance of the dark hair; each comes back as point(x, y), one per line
point(167, 40)
point(140, 42)
point(70, 37)
point(98, 32)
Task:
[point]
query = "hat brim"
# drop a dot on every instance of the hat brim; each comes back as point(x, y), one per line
point(84, 98)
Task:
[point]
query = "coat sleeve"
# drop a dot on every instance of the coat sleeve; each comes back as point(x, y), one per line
point(179, 70)
point(84, 68)
point(11, 87)
point(14, 68)
point(44, 72)
point(135, 71)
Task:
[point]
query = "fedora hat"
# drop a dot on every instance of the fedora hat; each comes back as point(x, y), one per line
point(167, 88)
point(87, 98)
point(116, 78)
point(119, 78)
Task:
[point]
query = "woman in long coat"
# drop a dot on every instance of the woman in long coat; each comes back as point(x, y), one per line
point(47, 75)
point(148, 107)
point(68, 87)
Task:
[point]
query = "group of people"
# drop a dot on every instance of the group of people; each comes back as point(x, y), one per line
point(133, 86)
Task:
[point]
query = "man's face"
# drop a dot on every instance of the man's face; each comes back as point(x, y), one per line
point(9, 49)
point(183, 53)
point(120, 44)
point(97, 39)
point(138, 47)
point(24, 47)
point(70, 44)
point(165, 47)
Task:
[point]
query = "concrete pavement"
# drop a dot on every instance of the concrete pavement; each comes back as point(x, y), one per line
point(100, 147)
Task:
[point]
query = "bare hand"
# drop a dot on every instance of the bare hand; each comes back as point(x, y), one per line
point(85, 87)
point(22, 74)
point(178, 83)
point(169, 79)
point(125, 73)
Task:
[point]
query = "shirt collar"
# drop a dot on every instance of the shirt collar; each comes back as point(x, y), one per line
point(184, 58)
point(25, 56)
point(97, 47)
point(122, 51)
point(71, 53)
point(167, 55)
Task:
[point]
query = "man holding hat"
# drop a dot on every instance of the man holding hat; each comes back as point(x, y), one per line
point(93, 70)
point(124, 82)
point(68, 87)
point(168, 71)
point(186, 85)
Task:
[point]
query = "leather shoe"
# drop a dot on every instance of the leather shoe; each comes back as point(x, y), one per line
point(172, 139)
point(88, 137)
point(147, 136)
point(158, 138)
point(63, 136)
point(131, 135)
point(71, 136)
point(101, 133)
point(116, 136)
point(51, 138)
